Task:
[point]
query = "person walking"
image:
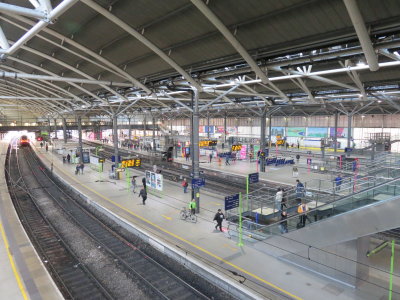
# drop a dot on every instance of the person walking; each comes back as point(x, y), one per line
point(284, 199)
point(187, 155)
point(82, 166)
point(77, 169)
point(211, 157)
point(278, 200)
point(144, 183)
point(133, 184)
point(192, 207)
point(299, 189)
point(68, 158)
point(143, 194)
point(298, 158)
point(219, 217)
point(302, 209)
point(227, 160)
point(283, 224)
point(338, 182)
point(185, 185)
point(47, 147)
point(41, 144)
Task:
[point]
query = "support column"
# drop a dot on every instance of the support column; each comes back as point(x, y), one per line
point(49, 129)
point(79, 121)
point(208, 126)
point(270, 132)
point(154, 134)
point(349, 119)
point(55, 128)
point(144, 127)
point(335, 134)
point(195, 147)
point(129, 129)
point(115, 138)
point(262, 141)
point(64, 123)
point(225, 116)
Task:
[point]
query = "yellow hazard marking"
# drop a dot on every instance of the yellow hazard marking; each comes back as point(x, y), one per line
point(13, 266)
point(215, 203)
point(183, 239)
point(168, 218)
point(230, 247)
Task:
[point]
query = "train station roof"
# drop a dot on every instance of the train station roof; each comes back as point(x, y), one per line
point(125, 57)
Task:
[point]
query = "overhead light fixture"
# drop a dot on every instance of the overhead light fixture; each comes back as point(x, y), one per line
point(379, 101)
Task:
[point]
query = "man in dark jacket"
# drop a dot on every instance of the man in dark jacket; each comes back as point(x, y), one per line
point(219, 217)
point(144, 183)
point(143, 194)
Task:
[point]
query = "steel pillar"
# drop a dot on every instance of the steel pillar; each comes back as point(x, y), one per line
point(335, 135)
point(208, 125)
point(144, 128)
point(349, 119)
point(262, 141)
point(225, 116)
point(130, 129)
point(195, 147)
point(49, 128)
point(79, 121)
point(154, 135)
point(115, 139)
point(64, 123)
point(55, 128)
point(270, 133)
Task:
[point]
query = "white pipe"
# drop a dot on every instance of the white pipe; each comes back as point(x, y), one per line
point(3, 40)
point(362, 33)
point(87, 51)
point(62, 79)
point(55, 13)
point(143, 40)
point(33, 98)
point(230, 38)
point(23, 11)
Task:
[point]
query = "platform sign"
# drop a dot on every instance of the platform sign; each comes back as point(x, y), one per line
point(253, 177)
point(231, 202)
point(207, 143)
point(102, 160)
point(131, 163)
point(113, 158)
point(236, 147)
point(120, 170)
point(198, 182)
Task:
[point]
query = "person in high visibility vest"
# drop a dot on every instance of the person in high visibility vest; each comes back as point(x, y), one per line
point(192, 207)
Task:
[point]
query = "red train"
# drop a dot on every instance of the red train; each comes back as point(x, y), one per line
point(24, 141)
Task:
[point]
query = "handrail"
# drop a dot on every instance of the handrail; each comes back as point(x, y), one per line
point(333, 202)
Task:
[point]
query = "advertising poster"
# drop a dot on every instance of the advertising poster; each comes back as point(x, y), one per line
point(231, 130)
point(148, 178)
point(209, 129)
point(159, 182)
point(296, 131)
point(341, 132)
point(201, 129)
point(278, 131)
point(319, 132)
point(243, 152)
point(220, 129)
point(153, 180)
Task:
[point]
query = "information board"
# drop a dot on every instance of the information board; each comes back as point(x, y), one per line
point(231, 202)
point(236, 147)
point(131, 163)
point(253, 177)
point(198, 182)
point(207, 143)
point(154, 180)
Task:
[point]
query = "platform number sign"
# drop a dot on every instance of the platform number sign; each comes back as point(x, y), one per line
point(231, 202)
point(253, 178)
point(236, 147)
point(131, 163)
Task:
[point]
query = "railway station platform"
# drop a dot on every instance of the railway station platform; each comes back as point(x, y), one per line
point(258, 272)
point(23, 274)
point(276, 174)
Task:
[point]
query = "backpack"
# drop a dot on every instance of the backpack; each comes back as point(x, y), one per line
point(300, 209)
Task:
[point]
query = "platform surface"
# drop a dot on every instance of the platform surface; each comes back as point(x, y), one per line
point(23, 275)
point(160, 217)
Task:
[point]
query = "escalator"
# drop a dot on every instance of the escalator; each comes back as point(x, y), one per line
point(368, 212)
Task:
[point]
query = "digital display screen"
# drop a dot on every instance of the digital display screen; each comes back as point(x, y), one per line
point(236, 147)
point(126, 163)
point(207, 143)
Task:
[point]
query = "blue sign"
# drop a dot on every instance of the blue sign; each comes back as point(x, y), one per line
point(253, 178)
point(113, 158)
point(231, 202)
point(198, 182)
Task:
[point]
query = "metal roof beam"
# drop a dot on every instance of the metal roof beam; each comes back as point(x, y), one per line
point(22, 11)
point(231, 39)
point(143, 40)
point(362, 33)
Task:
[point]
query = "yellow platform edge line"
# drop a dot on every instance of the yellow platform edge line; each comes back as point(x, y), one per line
point(13, 266)
point(184, 240)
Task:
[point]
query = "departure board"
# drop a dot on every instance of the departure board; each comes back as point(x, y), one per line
point(131, 163)
point(236, 147)
point(207, 143)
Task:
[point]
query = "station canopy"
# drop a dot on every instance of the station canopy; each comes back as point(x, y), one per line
point(243, 58)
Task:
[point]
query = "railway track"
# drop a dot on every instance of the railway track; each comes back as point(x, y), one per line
point(74, 280)
point(158, 281)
